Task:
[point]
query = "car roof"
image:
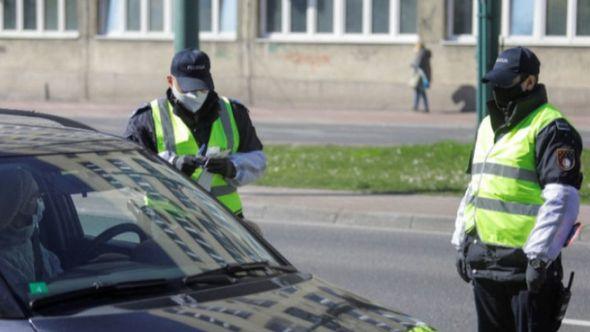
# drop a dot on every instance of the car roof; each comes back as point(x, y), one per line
point(32, 133)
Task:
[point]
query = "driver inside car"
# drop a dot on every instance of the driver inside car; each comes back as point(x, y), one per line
point(21, 210)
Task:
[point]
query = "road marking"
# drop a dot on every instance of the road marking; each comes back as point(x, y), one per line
point(576, 322)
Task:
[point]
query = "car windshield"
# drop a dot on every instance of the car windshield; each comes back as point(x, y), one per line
point(70, 222)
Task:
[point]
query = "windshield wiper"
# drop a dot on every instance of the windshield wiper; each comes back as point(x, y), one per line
point(99, 289)
point(230, 273)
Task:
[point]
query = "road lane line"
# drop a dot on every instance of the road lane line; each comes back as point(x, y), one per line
point(576, 322)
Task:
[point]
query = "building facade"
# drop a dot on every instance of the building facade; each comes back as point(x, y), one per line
point(324, 54)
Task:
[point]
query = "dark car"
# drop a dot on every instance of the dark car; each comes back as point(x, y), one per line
point(97, 234)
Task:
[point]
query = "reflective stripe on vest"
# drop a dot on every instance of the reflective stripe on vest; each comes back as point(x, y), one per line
point(506, 207)
point(174, 136)
point(505, 171)
point(505, 190)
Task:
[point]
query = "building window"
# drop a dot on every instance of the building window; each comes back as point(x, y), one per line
point(228, 16)
point(38, 18)
point(461, 17)
point(133, 11)
point(273, 15)
point(583, 18)
point(556, 14)
point(408, 16)
point(51, 14)
point(521, 24)
point(339, 20)
point(546, 22)
point(525, 22)
point(153, 19)
point(298, 15)
point(325, 16)
point(205, 13)
point(354, 16)
point(380, 17)
point(156, 20)
point(462, 21)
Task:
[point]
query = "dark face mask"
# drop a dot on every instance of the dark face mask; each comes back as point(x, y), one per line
point(503, 96)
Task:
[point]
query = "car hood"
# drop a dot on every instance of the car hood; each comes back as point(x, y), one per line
point(308, 305)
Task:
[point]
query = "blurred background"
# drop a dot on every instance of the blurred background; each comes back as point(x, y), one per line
point(359, 189)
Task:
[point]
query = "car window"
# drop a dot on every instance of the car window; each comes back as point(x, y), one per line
point(97, 213)
point(112, 217)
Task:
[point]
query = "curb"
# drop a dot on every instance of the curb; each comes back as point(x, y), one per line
point(390, 220)
point(289, 214)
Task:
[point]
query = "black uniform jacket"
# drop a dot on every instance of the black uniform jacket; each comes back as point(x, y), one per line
point(140, 128)
point(555, 142)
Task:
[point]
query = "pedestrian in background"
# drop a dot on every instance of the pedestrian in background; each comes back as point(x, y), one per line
point(521, 206)
point(422, 76)
point(208, 137)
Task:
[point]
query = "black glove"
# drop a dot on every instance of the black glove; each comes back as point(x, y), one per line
point(188, 164)
point(536, 274)
point(462, 268)
point(221, 166)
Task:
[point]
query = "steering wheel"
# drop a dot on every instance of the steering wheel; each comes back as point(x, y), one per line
point(109, 234)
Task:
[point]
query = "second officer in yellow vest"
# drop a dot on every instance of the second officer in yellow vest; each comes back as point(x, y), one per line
point(208, 137)
point(521, 206)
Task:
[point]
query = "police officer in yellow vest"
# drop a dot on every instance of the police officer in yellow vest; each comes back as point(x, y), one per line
point(208, 137)
point(522, 203)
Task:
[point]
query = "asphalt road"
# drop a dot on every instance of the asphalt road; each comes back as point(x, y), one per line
point(281, 133)
point(411, 272)
point(298, 133)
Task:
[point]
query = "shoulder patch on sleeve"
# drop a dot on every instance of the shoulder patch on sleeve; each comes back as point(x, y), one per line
point(566, 158)
point(142, 109)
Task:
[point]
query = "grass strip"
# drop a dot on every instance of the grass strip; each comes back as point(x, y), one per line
point(410, 169)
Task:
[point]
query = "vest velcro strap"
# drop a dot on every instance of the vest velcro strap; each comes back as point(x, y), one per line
point(504, 171)
point(506, 207)
point(226, 122)
point(167, 128)
point(222, 190)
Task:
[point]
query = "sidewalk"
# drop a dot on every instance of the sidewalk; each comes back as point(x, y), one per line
point(403, 212)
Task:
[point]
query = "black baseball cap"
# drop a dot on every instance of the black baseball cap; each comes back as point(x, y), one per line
point(192, 70)
point(511, 63)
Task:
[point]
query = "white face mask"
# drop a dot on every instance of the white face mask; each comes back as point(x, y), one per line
point(192, 101)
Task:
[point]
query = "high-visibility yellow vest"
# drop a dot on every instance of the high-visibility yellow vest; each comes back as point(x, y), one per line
point(505, 194)
point(174, 136)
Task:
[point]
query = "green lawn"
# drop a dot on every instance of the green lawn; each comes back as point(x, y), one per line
point(434, 169)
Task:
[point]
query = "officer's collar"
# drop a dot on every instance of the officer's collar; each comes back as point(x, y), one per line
point(519, 109)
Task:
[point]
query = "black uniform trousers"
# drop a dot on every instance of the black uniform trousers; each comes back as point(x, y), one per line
point(510, 307)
